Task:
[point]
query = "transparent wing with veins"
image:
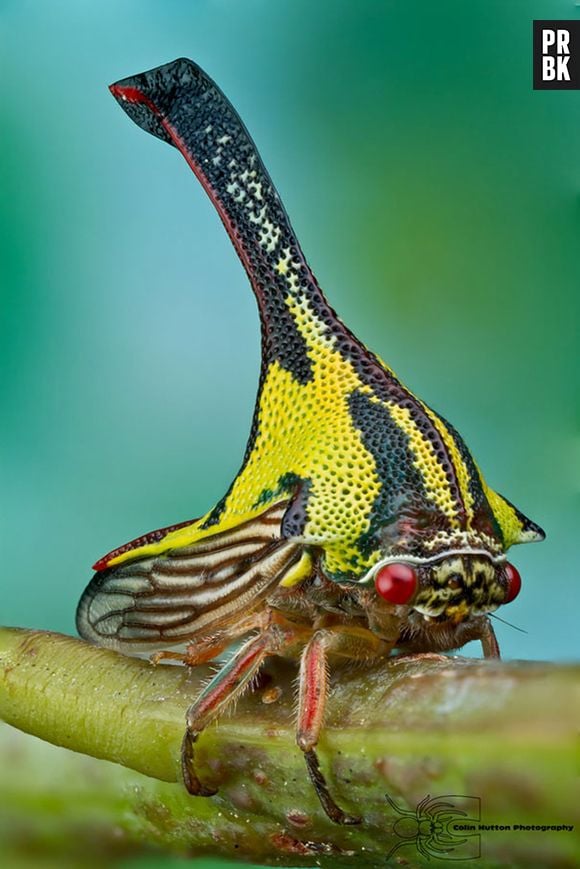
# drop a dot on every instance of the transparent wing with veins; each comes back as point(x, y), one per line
point(186, 593)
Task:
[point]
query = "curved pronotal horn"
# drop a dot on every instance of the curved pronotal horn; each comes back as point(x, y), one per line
point(180, 104)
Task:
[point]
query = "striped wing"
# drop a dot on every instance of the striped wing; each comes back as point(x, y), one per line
point(187, 593)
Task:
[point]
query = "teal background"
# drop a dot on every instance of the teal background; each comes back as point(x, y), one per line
point(434, 192)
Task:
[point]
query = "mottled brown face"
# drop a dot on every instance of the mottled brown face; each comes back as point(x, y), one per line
point(460, 586)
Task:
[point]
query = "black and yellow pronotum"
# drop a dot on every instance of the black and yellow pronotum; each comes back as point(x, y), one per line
point(358, 523)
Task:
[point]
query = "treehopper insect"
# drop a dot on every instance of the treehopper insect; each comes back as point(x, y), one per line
point(359, 523)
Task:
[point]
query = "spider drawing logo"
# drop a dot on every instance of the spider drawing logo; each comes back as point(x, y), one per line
point(442, 827)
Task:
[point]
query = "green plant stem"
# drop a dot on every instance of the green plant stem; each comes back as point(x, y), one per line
point(504, 732)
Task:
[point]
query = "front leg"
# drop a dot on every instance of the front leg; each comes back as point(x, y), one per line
point(419, 636)
point(489, 641)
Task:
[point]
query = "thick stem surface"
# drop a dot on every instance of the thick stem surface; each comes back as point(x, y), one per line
point(500, 732)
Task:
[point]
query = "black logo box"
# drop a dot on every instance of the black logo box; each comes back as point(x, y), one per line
point(573, 65)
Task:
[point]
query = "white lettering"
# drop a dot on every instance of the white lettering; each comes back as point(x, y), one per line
point(548, 68)
point(548, 39)
point(562, 71)
point(563, 42)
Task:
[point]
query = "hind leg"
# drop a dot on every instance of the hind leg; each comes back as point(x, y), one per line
point(205, 649)
point(229, 683)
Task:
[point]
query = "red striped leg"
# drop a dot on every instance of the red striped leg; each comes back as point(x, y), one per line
point(312, 700)
point(349, 642)
point(225, 687)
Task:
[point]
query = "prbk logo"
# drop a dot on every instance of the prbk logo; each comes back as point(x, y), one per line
point(557, 55)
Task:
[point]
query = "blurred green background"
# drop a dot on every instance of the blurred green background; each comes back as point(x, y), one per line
point(434, 192)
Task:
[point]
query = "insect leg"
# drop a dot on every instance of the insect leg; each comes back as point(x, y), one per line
point(342, 640)
point(489, 641)
point(200, 651)
point(226, 686)
point(195, 653)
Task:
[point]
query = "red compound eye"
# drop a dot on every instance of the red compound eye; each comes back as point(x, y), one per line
point(397, 583)
point(514, 583)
